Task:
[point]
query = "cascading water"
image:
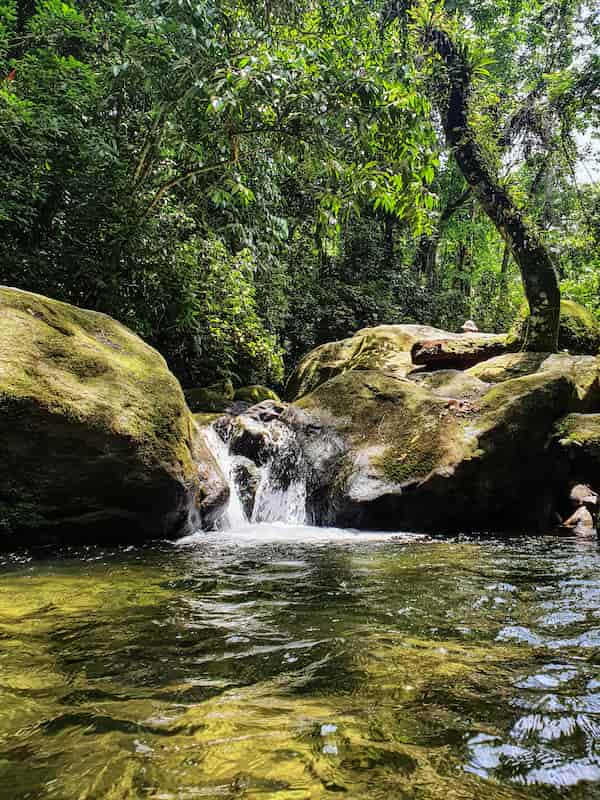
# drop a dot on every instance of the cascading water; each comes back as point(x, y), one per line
point(233, 516)
point(280, 493)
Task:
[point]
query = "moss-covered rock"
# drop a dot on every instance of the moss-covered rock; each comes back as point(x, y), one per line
point(385, 347)
point(583, 373)
point(442, 452)
point(451, 383)
point(213, 399)
point(98, 442)
point(255, 394)
point(576, 447)
point(579, 331)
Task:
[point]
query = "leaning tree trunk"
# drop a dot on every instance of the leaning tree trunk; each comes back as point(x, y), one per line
point(539, 275)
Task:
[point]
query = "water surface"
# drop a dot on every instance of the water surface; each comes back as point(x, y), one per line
point(296, 663)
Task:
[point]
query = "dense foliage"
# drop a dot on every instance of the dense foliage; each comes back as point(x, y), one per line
point(240, 181)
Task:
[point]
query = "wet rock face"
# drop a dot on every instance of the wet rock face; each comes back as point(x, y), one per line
point(247, 476)
point(98, 442)
point(213, 489)
point(256, 434)
point(283, 462)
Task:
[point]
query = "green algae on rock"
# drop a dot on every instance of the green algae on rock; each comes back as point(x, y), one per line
point(98, 441)
point(579, 330)
point(393, 349)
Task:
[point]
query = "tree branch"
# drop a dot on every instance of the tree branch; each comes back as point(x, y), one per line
point(171, 184)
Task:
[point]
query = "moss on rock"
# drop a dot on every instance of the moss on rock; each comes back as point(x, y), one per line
point(385, 347)
point(580, 430)
point(576, 447)
point(451, 383)
point(255, 394)
point(579, 330)
point(210, 399)
point(96, 434)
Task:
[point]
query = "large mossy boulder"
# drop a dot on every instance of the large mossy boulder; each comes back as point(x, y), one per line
point(393, 349)
point(98, 443)
point(579, 331)
point(444, 452)
point(385, 347)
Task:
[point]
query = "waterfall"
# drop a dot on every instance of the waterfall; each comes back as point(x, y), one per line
point(233, 516)
point(281, 494)
point(278, 490)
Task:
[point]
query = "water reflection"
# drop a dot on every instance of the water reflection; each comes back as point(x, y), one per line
point(296, 663)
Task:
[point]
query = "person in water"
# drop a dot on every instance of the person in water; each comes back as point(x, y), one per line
point(585, 501)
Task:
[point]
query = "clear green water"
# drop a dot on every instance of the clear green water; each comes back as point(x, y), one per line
point(268, 666)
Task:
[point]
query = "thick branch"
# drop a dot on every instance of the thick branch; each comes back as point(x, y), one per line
point(453, 206)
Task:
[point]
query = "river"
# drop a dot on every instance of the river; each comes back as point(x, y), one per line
point(296, 663)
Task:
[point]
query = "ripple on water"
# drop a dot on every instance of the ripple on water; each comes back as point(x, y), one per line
point(286, 663)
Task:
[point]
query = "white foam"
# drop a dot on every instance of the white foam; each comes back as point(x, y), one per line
point(273, 532)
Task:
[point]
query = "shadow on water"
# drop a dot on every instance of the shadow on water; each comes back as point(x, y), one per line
point(281, 667)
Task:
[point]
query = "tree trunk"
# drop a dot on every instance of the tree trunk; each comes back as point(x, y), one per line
point(426, 255)
point(539, 275)
point(501, 308)
point(428, 245)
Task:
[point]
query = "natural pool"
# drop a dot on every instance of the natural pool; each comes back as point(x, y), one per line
point(293, 663)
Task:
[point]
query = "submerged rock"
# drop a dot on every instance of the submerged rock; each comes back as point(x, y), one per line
point(98, 443)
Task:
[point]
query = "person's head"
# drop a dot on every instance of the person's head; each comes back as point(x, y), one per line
point(581, 494)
